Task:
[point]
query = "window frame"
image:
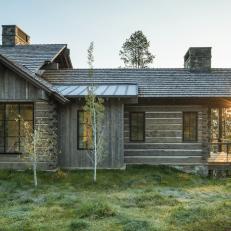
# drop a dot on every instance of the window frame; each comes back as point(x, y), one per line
point(78, 132)
point(183, 130)
point(19, 132)
point(130, 126)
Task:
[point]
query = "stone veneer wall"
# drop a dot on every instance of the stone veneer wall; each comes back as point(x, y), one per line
point(45, 114)
point(198, 59)
point(13, 35)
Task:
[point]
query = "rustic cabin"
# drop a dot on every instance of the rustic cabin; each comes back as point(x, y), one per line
point(179, 117)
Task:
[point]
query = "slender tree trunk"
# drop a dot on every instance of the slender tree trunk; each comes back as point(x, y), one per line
point(35, 174)
point(95, 144)
point(35, 167)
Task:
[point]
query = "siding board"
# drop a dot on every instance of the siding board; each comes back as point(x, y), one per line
point(14, 87)
point(163, 136)
point(163, 161)
point(71, 157)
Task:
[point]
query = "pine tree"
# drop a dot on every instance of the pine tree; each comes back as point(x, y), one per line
point(135, 53)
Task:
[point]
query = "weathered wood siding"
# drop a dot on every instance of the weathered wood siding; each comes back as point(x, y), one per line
point(45, 113)
point(14, 88)
point(163, 136)
point(71, 157)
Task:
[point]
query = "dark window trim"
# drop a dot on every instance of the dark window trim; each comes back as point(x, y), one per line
point(183, 139)
point(130, 126)
point(78, 127)
point(4, 124)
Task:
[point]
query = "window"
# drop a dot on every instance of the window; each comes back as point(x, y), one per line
point(190, 126)
point(137, 126)
point(11, 130)
point(84, 130)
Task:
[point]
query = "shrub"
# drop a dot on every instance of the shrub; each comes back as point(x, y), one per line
point(60, 174)
point(96, 210)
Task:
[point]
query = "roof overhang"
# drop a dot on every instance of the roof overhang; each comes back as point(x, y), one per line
point(101, 90)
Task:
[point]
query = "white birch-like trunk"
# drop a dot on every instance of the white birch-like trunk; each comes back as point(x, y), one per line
point(35, 167)
point(35, 174)
point(95, 144)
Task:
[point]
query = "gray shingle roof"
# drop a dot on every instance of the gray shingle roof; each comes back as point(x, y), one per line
point(32, 56)
point(166, 82)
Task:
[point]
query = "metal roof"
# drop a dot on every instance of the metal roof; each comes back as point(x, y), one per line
point(105, 90)
point(153, 82)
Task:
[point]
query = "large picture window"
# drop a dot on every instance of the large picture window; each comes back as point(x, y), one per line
point(12, 117)
point(189, 126)
point(137, 126)
point(84, 130)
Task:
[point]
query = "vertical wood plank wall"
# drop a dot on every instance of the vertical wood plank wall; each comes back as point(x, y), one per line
point(14, 88)
point(163, 136)
point(71, 157)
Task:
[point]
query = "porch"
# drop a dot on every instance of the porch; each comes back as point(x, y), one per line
point(220, 153)
point(219, 161)
point(220, 136)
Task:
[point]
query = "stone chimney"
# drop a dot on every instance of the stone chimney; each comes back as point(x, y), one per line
point(198, 59)
point(13, 35)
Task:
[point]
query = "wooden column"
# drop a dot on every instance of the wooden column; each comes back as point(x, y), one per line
point(220, 129)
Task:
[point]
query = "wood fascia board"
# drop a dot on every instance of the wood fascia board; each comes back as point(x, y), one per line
point(58, 53)
point(66, 57)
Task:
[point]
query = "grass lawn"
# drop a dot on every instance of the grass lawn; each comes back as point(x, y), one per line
point(141, 198)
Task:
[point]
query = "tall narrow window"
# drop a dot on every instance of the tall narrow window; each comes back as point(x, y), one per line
point(84, 130)
point(12, 117)
point(190, 126)
point(137, 126)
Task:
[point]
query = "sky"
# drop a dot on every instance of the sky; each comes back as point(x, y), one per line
point(171, 26)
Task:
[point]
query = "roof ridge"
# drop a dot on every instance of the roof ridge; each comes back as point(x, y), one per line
point(138, 69)
point(124, 69)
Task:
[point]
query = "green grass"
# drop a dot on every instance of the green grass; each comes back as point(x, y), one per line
point(142, 198)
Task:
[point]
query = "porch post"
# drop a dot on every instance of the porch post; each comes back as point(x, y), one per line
point(220, 129)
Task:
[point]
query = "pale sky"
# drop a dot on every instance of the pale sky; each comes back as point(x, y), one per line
point(171, 26)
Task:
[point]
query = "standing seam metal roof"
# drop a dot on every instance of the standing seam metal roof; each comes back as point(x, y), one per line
point(106, 90)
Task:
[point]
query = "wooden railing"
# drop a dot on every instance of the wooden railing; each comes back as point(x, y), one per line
point(220, 151)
